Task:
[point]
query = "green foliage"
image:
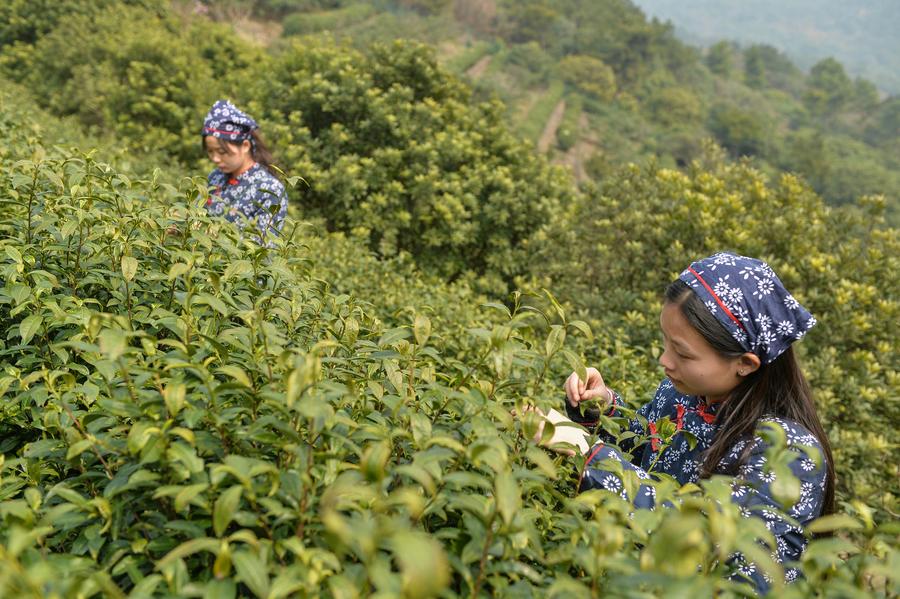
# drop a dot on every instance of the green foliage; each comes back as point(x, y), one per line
point(720, 59)
point(861, 36)
point(468, 57)
point(281, 8)
point(567, 134)
point(647, 61)
point(532, 59)
point(676, 106)
point(396, 152)
point(187, 414)
point(151, 90)
point(311, 22)
point(590, 75)
point(742, 132)
point(643, 226)
point(830, 89)
point(26, 21)
point(426, 6)
point(531, 21)
point(540, 112)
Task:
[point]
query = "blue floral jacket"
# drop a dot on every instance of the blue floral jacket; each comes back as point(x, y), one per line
point(254, 196)
point(752, 488)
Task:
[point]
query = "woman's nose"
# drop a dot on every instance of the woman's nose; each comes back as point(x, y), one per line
point(664, 360)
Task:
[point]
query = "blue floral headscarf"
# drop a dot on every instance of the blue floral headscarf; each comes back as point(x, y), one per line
point(748, 298)
point(226, 121)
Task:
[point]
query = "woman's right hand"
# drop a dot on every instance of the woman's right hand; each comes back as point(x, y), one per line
point(593, 388)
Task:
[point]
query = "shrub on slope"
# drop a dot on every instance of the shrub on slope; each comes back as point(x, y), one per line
point(186, 414)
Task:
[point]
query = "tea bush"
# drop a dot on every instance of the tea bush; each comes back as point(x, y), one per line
point(185, 414)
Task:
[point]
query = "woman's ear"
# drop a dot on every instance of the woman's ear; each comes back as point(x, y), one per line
point(747, 364)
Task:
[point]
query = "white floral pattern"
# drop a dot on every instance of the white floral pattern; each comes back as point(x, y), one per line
point(751, 489)
point(735, 288)
point(255, 197)
point(226, 121)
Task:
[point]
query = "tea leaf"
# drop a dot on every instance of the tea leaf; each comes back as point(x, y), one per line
point(29, 326)
point(225, 507)
point(129, 267)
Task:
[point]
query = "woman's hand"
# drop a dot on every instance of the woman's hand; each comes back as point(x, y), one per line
point(593, 388)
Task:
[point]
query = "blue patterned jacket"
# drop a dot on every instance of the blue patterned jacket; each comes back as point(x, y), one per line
point(255, 196)
point(753, 483)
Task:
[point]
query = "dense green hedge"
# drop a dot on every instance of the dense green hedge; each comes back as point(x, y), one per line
point(186, 414)
point(183, 413)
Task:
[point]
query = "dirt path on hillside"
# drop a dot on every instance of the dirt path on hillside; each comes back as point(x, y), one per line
point(259, 32)
point(477, 70)
point(582, 150)
point(549, 134)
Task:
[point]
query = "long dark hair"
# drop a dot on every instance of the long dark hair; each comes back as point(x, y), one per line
point(258, 149)
point(775, 389)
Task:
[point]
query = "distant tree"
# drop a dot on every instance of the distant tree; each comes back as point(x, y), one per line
point(807, 155)
point(481, 15)
point(754, 68)
point(151, 90)
point(885, 127)
point(742, 132)
point(529, 21)
point(720, 58)
point(865, 95)
point(27, 21)
point(829, 89)
point(532, 58)
point(590, 75)
point(675, 105)
point(765, 66)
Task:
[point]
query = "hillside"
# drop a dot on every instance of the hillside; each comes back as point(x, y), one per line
point(184, 413)
point(862, 35)
point(635, 93)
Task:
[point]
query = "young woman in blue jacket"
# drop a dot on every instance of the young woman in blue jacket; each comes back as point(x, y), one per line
point(728, 326)
point(244, 190)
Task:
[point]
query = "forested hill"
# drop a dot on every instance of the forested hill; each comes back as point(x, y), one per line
point(861, 34)
point(596, 84)
point(184, 413)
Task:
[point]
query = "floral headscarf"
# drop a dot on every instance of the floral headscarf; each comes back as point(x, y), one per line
point(748, 298)
point(226, 121)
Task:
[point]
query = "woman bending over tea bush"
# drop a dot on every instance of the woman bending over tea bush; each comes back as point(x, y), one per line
point(244, 190)
point(728, 324)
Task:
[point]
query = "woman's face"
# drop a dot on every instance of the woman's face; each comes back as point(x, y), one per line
point(691, 363)
point(228, 157)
